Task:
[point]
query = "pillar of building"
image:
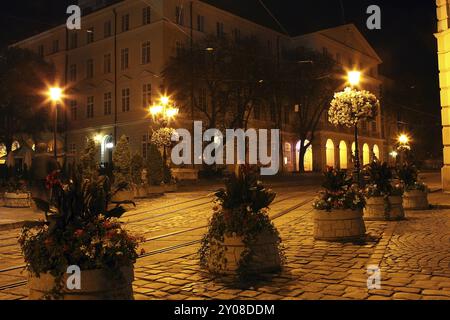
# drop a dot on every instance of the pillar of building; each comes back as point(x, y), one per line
point(443, 40)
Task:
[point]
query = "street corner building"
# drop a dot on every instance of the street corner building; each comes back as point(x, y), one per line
point(113, 69)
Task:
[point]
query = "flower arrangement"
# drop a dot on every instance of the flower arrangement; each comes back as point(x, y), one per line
point(339, 192)
point(350, 106)
point(379, 177)
point(80, 229)
point(162, 137)
point(409, 175)
point(240, 211)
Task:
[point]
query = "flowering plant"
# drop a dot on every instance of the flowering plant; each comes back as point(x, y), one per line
point(162, 137)
point(338, 193)
point(379, 177)
point(409, 175)
point(350, 106)
point(81, 228)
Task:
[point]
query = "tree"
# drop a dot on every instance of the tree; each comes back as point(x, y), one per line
point(88, 159)
point(155, 166)
point(22, 77)
point(122, 161)
point(137, 165)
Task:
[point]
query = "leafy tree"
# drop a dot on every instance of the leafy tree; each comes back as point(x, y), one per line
point(155, 167)
point(122, 162)
point(22, 77)
point(137, 165)
point(88, 159)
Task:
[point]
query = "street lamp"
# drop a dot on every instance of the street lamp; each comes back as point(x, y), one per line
point(164, 111)
point(55, 95)
point(354, 77)
point(403, 139)
point(403, 145)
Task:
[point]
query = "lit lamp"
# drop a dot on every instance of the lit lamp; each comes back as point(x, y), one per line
point(354, 77)
point(403, 139)
point(163, 111)
point(55, 95)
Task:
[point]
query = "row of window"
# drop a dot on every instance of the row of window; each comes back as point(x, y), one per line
point(107, 62)
point(107, 102)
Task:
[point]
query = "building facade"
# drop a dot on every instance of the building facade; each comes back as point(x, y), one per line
point(112, 71)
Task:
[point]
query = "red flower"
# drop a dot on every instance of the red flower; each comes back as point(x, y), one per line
point(78, 233)
point(110, 234)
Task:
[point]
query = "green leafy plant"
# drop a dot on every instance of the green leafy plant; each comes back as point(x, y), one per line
point(88, 159)
point(338, 193)
point(409, 176)
point(81, 228)
point(122, 162)
point(137, 165)
point(240, 211)
point(379, 177)
point(155, 168)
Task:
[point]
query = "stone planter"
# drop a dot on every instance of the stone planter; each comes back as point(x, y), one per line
point(379, 208)
point(170, 187)
point(185, 174)
point(17, 200)
point(415, 200)
point(95, 285)
point(396, 211)
point(155, 190)
point(139, 192)
point(225, 256)
point(339, 225)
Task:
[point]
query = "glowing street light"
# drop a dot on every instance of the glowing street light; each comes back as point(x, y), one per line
point(55, 95)
point(394, 154)
point(354, 77)
point(403, 138)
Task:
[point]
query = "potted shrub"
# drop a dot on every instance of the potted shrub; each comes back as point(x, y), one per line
point(383, 200)
point(80, 231)
point(17, 195)
point(241, 239)
point(170, 183)
point(88, 159)
point(415, 196)
point(155, 171)
point(338, 209)
point(122, 170)
point(137, 168)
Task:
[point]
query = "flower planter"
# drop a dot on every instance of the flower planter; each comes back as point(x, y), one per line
point(140, 192)
point(171, 187)
point(338, 225)
point(17, 200)
point(415, 200)
point(225, 256)
point(379, 208)
point(95, 285)
point(155, 190)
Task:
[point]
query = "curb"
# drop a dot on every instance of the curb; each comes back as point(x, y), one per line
point(18, 224)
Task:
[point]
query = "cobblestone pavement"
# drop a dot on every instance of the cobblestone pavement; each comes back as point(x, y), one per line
point(413, 255)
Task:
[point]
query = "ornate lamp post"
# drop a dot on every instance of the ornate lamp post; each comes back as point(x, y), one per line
point(403, 146)
point(354, 77)
point(55, 95)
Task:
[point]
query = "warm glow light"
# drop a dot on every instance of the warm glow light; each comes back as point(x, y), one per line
point(403, 139)
point(354, 77)
point(209, 49)
point(109, 145)
point(156, 109)
point(165, 100)
point(171, 112)
point(394, 154)
point(98, 138)
point(55, 94)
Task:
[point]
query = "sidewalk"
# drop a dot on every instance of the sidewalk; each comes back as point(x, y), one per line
point(12, 218)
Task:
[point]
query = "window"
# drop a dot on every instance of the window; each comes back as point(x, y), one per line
point(202, 99)
point(125, 22)
point(40, 50)
point(107, 103)
point(90, 68)
point(124, 58)
point(73, 40)
point(146, 95)
point(287, 153)
point(145, 52)
point(179, 17)
point(73, 72)
point(325, 51)
point(146, 15)
point(145, 145)
point(72, 148)
point(107, 29)
point(73, 110)
point(219, 29)
point(200, 23)
point(236, 34)
point(90, 35)
point(126, 100)
point(90, 107)
point(55, 47)
point(107, 63)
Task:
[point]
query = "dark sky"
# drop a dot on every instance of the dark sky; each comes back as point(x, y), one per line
point(405, 43)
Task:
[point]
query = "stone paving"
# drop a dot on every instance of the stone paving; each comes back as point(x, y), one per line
point(413, 255)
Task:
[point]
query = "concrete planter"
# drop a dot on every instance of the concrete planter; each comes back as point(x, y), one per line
point(185, 174)
point(170, 187)
point(415, 200)
point(17, 200)
point(155, 190)
point(139, 192)
point(95, 285)
point(225, 256)
point(339, 225)
point(380, 208)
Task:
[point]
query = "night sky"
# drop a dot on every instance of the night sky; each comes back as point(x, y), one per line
point(405, 43)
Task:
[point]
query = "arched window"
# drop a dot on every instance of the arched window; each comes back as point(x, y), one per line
point(287, 153)
point(329, 147)
point(343, 155)
point(366, 154)
point(308, 158)
point(15, 145)
point(106, 149)
point(376, 152)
